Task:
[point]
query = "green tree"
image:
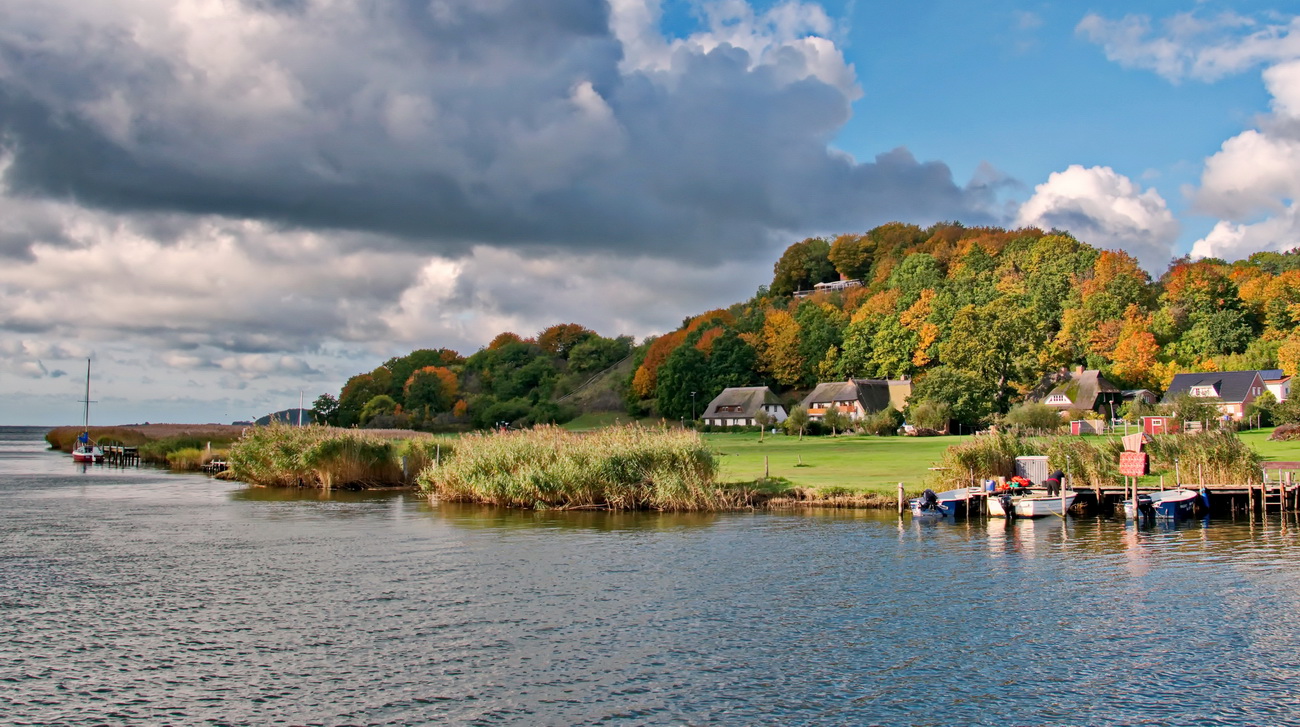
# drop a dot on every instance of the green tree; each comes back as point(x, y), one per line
point(325, 410)
point(733, 362)
point(1221, 332)
point(1033, 415)
point(820, 329)
point(803, 265)
point(401, 368)
point(837, 420)
point(892, 348)
point(596, 353)
point(683, 374)
point(359, 390)
point(968, 396)
point(797, 421)
point(997, 342)
point(380, 405)
point(918, 271)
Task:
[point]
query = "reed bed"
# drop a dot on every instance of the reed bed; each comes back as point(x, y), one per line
point(283, 456)
point(617, 468)
point(1215, 457)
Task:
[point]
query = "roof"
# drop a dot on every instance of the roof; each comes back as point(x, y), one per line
point(1233, 386)
point(1273, 375)
point(872, 394)
point(749, 398)
point(1082, 389)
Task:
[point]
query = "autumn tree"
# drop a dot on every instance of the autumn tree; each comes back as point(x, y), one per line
point(1134, 359)
point(852, 256)
point(561, 338)
point(646, 378)
point(432, 389)
point(803, 265)
point(778, 354)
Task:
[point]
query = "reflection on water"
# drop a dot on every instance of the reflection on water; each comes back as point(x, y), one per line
point(143, 597)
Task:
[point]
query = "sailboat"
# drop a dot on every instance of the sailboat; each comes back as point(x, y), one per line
point(86, 450)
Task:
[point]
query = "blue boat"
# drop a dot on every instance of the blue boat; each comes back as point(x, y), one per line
point(933, 506)
point(1176, 504)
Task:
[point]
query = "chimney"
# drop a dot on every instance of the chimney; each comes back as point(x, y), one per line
point(1078, 370)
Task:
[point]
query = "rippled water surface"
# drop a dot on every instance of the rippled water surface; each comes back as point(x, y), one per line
point(140, 597)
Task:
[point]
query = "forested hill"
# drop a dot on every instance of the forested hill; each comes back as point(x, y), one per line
point(978, 317)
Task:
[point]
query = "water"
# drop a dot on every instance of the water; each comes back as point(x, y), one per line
point(142, 597)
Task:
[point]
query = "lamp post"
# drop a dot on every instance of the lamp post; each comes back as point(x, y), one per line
point(692, 406)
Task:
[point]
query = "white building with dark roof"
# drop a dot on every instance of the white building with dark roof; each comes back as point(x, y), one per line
point(738, 406)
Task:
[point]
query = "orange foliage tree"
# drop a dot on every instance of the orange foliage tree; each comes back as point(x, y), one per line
point(1134, 360)
point(432, 389)
point(647, 374)
point(562, 337)
point(778, 352)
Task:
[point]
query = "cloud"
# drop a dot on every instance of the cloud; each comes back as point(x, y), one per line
point(1186, 45)
point(1106, 209)
point(573, 124)
point(246, 196)
point(1253, 181)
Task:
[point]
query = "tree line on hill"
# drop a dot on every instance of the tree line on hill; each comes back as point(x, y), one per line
point(978, 317)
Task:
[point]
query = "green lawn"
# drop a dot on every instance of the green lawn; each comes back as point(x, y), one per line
point(601, 419)
point(1275, 451)
point(864, 463)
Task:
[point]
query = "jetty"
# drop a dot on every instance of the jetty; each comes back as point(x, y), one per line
point(116, 454)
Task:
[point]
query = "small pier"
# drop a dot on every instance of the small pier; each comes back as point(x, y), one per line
point(212, 467)
point(116, 454)
point(1277, 491)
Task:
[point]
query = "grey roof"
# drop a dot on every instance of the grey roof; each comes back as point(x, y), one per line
point(750, 398)
point(1083, 388)
point(1272, 374)
point(1233, 386)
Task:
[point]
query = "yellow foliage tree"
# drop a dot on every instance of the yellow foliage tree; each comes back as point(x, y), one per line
point(778, 353)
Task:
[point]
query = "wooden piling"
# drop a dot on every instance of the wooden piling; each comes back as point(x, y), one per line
point(901, 501)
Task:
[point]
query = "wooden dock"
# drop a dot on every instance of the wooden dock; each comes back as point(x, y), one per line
point(116, 454)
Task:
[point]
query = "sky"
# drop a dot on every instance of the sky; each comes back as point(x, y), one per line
point(231, 204)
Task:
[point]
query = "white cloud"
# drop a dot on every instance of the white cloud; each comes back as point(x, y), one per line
point(1189, 46)
point(1105, 209)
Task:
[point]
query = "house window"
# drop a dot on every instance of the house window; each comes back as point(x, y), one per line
point(1204, 391)
point(1058, 399)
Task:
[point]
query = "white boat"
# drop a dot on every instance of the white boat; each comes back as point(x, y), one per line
point(1032, 504)
point(1172, 504)
point(87, 451)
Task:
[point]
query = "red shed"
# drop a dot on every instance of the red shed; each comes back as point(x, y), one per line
point(1160, 425)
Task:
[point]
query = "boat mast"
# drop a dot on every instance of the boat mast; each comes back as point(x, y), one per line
point(86, 413)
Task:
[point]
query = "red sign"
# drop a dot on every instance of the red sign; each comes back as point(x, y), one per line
point(1132, 464)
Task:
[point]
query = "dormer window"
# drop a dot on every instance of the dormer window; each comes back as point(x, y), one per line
point(1058, 399)
point(1208, 392)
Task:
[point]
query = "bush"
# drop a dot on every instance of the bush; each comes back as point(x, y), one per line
point(883, 423)
point(1286, 433)
point(930, 415)
point(188, 459)
point(1033, 416)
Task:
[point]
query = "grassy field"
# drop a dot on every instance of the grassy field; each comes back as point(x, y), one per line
point(601, 419)
point(878, 464)
point(866, 464)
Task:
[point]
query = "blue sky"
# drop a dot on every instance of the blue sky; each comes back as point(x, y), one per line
point(226, 203)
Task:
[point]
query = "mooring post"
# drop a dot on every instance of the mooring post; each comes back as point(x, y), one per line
point(900, 498)
point(767, 468)
point(437, 453)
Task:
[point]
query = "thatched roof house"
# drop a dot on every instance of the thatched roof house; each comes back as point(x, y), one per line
point(738, 407)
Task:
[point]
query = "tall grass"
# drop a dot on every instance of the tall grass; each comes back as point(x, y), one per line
point(985, 456)
point(618, 468)
point(1090, 462)
point(322, 457)
point(65, 438)
point(1219, 456)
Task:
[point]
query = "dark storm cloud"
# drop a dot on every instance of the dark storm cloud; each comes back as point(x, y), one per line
point(444, 123)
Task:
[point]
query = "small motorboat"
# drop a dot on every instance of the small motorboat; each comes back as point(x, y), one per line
point(1173, 504)
point(929, 507)
point(1031, 504)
